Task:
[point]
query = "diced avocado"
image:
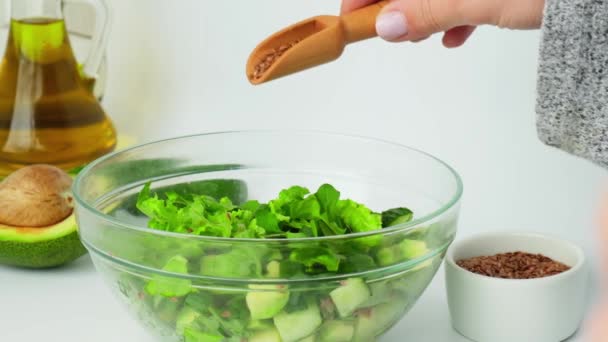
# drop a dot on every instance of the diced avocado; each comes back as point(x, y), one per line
point(423, 265)
point(311, 338)
point(327, 308)
point(41, 247)
point(171, 286)
point(374, 321)
point(186, 319)
point(412, 249)
point(266, 301)
point(403, 251)
point(337, 331)
point(349, 296)
point(191, 335)
point(380, 293)
point(275, 255)
point(386, 256)
point(258, 324)
point(166, 309)
point(296, 325)
point(414, 282)
point(268, 335)
point(273, 269)
point(387, 314)
point(365, 327)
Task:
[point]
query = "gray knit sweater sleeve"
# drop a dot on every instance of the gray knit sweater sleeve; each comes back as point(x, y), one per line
point(572, 105)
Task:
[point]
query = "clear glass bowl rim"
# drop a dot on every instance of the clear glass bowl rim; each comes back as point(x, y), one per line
point(455, 198)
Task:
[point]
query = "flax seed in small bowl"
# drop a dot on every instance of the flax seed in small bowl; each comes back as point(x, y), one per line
point(505, 287)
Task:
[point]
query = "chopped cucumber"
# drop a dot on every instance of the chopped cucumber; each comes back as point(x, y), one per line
point(349, 296)
point(268, 335)
point(337, 331)
point(298, 324)
point(266, 301)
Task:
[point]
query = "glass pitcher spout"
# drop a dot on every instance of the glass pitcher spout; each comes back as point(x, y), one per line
point(48, 112)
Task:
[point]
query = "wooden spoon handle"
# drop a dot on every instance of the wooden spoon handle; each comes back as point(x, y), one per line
point(361, 24)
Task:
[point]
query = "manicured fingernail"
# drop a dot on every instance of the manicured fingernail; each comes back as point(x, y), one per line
point(391, 25)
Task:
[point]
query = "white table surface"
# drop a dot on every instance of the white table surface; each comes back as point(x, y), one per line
point(72, 304)
point(176, 68)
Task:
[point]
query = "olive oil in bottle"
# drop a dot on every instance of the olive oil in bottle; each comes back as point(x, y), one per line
point(48, 113)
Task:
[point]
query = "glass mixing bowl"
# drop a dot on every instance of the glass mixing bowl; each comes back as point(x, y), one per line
point(195, 288)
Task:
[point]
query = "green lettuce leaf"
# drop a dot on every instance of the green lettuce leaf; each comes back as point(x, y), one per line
point(357, 217)
point(268, 220)
point(328, 197)
point(200, 215)
point(396, 216)
point(280, 205)
point(251, 206)
point(218, 315)
point(239, 262)
point(191, 335)
point(306, 209)
point(357, 263)
point(313, 257)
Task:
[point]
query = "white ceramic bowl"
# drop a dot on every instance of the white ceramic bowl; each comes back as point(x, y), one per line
point(487, 309)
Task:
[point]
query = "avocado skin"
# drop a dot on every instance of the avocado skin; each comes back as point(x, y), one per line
point(42, 254)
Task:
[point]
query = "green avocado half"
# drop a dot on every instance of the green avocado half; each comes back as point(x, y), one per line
point(45, 247)
point(59, 244)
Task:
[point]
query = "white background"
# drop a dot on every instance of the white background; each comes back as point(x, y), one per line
point(177, 67)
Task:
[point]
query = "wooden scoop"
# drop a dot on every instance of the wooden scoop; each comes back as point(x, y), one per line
point(310, 43)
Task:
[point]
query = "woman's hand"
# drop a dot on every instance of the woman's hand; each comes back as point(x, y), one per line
point(597, 327)
point(416, 20)
point(598, 331)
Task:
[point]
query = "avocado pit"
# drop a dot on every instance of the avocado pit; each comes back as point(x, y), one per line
point(35, 196)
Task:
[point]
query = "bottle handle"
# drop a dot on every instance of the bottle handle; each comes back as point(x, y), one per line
point(103, 18)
